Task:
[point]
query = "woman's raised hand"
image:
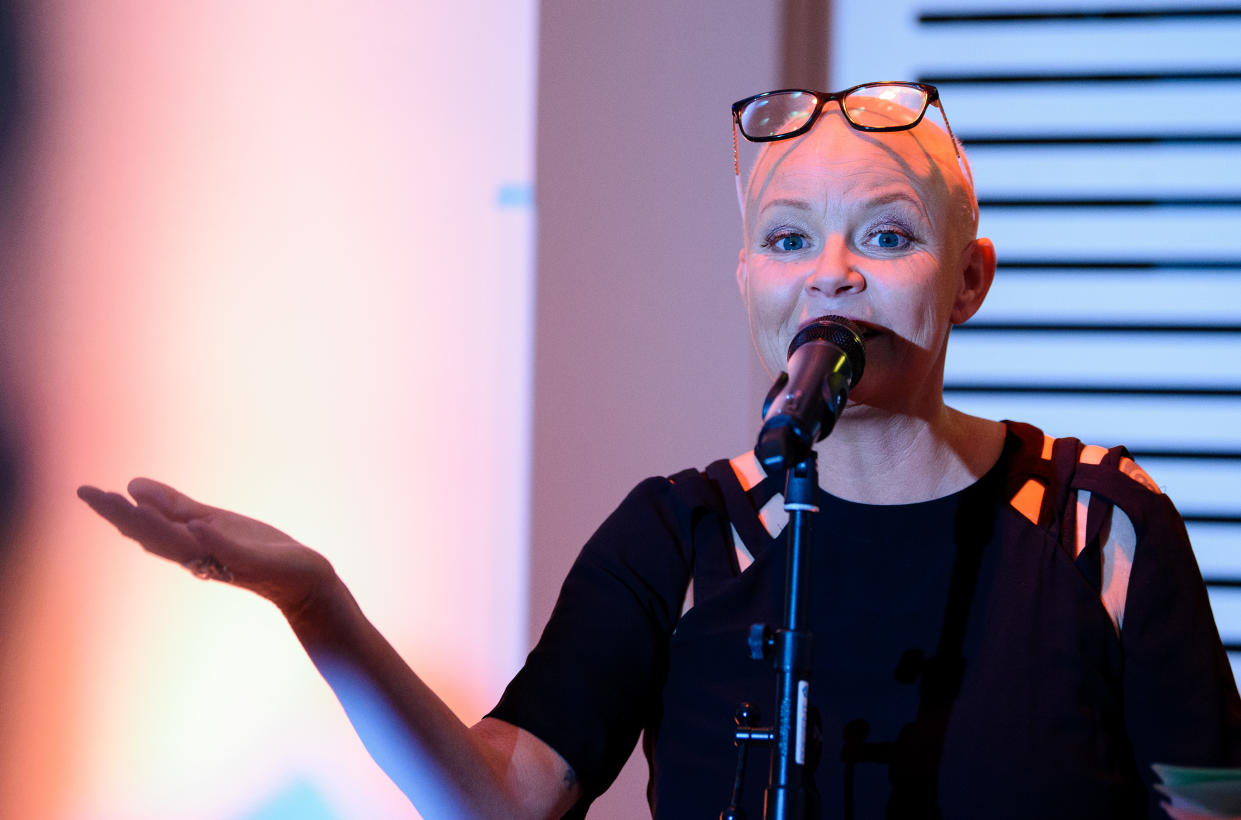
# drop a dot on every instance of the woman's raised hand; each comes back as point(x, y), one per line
point(215, 543)
point(446, 769)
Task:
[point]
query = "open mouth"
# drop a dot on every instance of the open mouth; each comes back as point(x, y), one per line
point(865, 330)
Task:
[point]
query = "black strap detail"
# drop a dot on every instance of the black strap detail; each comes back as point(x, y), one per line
point(1058, 514)
point(1098, 513)
point(1068, 476)
point(1061, 478)
point(714, 556)
point(764, 491)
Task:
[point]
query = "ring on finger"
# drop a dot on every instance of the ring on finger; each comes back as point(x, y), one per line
point(209, 568)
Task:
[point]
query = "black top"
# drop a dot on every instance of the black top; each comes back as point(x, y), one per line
point(964, 665)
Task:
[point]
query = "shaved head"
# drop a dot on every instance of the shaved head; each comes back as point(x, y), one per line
point(877, 226)
point(926, 153)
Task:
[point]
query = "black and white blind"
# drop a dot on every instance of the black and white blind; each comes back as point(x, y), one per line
point(1105, 139)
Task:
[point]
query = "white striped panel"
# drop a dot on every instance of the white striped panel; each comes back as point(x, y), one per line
point(1198, 486)
point(1022, 6)
point(1095, 359)
point(1079, 296)
point(1226, 604)
point(1190, 107)
point(1108, 233)
point(1218, 548)
point(1138, 422)
point(1171, 44)
point(884, 41)
point(1117, 170)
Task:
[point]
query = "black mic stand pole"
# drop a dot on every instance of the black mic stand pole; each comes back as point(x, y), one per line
point(807, 413)
point(791, 651)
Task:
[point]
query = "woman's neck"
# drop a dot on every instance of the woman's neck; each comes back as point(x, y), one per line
point(880, 458)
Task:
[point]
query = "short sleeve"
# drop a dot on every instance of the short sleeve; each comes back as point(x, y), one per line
point(593, 680)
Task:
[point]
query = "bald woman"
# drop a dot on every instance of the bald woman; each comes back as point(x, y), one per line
point(1005, 624)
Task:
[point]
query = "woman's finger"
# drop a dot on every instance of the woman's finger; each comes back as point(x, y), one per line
point(97, 499)
point(114, 507)
point(174, 504)
point(149, 527)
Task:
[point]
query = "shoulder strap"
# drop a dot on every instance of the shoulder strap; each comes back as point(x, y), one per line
point(1051, 470)
point(1099, 513)
point(713, 558)
point(1057, 470)
point(741, 506)
point(1086, 542)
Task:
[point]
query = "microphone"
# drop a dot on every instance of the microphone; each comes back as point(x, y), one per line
point(826, 359)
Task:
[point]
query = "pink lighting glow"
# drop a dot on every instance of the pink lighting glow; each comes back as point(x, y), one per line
point(267, 261)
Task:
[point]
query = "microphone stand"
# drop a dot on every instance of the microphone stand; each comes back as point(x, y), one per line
point(826, 359)
point(790, 650)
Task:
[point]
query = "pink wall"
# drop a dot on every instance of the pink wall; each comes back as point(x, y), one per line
point(643, 364)
point(277, 254)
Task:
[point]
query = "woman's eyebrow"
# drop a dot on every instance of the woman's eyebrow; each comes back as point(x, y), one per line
point(899, 196)
point(870, 202)
point(799, 204)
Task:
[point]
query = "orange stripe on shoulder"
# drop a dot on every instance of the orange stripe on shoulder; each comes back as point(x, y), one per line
point(1093, 454)
point(1029, 499)
point(1130, 468)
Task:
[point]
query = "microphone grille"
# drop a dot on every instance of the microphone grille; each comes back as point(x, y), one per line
point(842, 333)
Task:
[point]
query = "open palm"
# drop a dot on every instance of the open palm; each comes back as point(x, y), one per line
point(245, 552)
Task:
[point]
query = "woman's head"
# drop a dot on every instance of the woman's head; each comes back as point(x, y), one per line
point(878, 226)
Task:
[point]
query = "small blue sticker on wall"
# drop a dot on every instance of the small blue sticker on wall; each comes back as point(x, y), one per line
point(515, 195)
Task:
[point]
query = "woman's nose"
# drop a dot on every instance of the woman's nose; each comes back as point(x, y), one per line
point(835, 272)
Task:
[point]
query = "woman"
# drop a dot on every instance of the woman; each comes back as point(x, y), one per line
point(1004, 625)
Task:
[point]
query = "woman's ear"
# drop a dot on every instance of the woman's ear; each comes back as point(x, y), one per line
point(741, 271)
point(977, 268)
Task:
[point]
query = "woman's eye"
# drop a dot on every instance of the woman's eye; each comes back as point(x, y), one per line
point(889, 239)
point(786, 242)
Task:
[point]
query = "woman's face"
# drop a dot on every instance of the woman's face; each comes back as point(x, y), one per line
point(866, 226)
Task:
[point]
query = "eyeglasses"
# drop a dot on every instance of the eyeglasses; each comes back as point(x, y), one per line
point(877, 107)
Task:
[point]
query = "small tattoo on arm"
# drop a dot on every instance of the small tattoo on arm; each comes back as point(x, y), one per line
point(570, 777)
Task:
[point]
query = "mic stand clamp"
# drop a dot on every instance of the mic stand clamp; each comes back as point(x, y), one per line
point(747, 715)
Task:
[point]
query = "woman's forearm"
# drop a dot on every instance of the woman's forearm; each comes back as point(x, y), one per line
point(445, 768)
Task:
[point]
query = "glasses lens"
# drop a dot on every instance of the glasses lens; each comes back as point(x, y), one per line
point(885, 106)
point(777, 114)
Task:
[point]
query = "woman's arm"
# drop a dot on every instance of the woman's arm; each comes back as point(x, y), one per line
point(493, 769)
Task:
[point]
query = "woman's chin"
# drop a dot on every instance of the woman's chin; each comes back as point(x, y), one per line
point(867, 404)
